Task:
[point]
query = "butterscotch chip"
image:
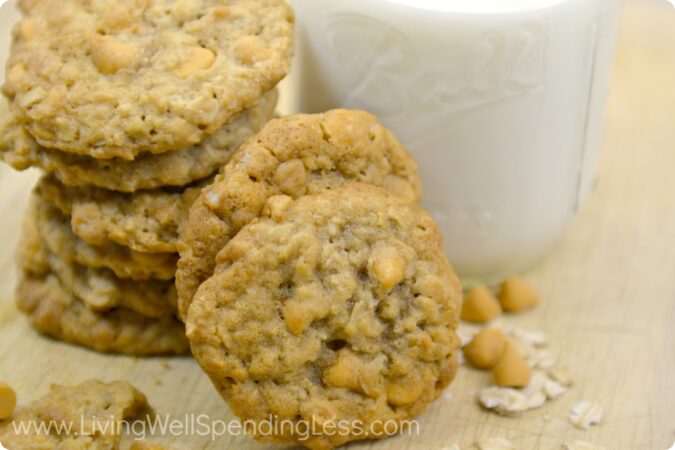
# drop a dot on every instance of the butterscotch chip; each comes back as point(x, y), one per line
point(147, 171)
point(512, 369)
point(7, 401)
point(486, 348)
point(198, 59)
point(116, 81)
point(297, 322)
point(480, 305)
point(110, 55)
point(294, 156)
point(73, 417)
point(516, 294)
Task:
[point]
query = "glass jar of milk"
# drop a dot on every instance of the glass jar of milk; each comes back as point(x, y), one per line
point(500, 102)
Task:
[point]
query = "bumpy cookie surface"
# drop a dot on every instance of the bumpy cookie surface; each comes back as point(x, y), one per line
point(98, 288)
point(340, 307)
point(294, 155)
point(55, 230)
point(91, 404)
point(56, 311)
point(145, 221)
point(113, 79)
point(177, 168)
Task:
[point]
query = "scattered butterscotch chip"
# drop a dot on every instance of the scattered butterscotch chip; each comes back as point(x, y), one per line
point(516, 294)
point(7, 401)
point(512, 369)
point(486, 348)
point(480, 305)
point(495, 444)
point(586, 414)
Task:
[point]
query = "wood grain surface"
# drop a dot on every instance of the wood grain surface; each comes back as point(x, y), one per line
point(608, 290)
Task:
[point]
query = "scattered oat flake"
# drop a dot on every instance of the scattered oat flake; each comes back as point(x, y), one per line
point(553, 389)
point(505, 401)
point(546, 359)
point(562, 375)
point(586, 414)
point(495, 444)
point(536, 399)
point(532, 337)
point(582, 445)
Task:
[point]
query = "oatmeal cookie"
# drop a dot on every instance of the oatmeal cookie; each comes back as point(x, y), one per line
point(145, 221)
point(55, 230)
point(294, 155)
point(114, 79)
point(147, 171)
point(94, 404)
point(99, 289)
point(340, 307)
point(57, 312)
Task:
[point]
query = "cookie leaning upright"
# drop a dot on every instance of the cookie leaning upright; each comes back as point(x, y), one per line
point(294, 155)
point(335, 308)
point(114, 79)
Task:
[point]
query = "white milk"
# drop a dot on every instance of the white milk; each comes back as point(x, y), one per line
point(499, 101)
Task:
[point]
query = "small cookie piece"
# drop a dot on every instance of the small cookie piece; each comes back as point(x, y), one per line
point(57, 312)
point(342, 308)
point(80, 413)
point(293, 156)
point(116, 79)
point(125, 263)
point(145, 221)
point(147, 171)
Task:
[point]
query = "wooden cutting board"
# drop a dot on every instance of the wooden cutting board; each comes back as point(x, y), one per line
point(608, 290)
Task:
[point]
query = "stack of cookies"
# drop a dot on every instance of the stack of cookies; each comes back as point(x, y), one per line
point(129, 107)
